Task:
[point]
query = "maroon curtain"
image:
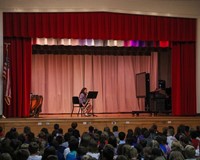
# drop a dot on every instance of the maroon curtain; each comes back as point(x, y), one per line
point(184, 78)
point(20, 67)
point(99, 25)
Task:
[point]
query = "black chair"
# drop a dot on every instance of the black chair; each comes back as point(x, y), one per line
point(75, 103)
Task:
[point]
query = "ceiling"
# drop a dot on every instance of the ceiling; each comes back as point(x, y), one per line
point(174, 8)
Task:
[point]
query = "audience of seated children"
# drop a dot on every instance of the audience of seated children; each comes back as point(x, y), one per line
point(134, 144)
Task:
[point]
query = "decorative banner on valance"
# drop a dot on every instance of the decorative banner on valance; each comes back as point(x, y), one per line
point(99, 43)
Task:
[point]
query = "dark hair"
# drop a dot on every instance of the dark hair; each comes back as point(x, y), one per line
point(143, 130)
point(60, 131)
point(67, 136)
point(13, 129)
point(5, 156)
point(184, 140)
point(22, 154)
point(70, 130)
point(129, 151)
point(146, 134)
point(82, 90)
point(159, 139)
point(49, 151)
point(99, 132)
point(52, 157)
point(85, 139)
point(154, 127)
point(56, 130)
point(30, 136)
point(181, 129)
point(106, 129)
point(194, 134)
point(27, 129)
point(108, 152)
point(115, 128)
point(42, 135)
point(130, 132)
point(164, 131)
point(119, 149)
point(5, 146)
point(189, 152)
point(122, 135)
point(12, 135)
point(143, 143)
point(171, 131)
point(147, 153)
point(113, 141)
point(50, 139)
point(156, 152)
point(73, 144)
point(91, 129)
point(74, 125)
point(187, 128)
point(81, 151)
point(121, 157)
point(45, 130)
point(59, 139)
point(92, 147)
point(1, 129)
point(137, 131)
point(56, 126)
point(33, 147)
point(15, 143)
point(76, 133)
point(21, 138)
point(96, 137)
point(131, 140)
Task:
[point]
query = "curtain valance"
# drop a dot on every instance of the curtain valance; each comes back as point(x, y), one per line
point(98, 25)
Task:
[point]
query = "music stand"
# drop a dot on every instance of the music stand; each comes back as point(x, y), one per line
point(92, 95)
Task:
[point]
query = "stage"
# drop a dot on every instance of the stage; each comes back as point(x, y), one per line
point(124, 121)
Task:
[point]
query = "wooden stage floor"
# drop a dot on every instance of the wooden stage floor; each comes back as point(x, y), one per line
point(124, 121)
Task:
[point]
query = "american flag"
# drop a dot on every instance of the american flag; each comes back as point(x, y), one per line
point(6, 77)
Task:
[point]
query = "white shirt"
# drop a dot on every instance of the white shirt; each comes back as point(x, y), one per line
point(122, 142)
point(66, 151)
point(170, 139)
point(34, 157)
point(93, 155)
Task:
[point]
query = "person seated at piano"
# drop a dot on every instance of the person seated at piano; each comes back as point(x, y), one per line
point(84, 102)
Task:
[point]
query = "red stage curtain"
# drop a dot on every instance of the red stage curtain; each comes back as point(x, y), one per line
point(20, 67)
point(99, 25)
point(183, 78)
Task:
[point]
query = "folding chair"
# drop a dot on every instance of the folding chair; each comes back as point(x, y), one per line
point(75, 103)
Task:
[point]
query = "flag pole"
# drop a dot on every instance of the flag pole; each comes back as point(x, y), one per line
point(7, 46)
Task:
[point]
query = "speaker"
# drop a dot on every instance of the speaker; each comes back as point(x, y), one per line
point(147, 99)
point(147, 83)
point(161, 84)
